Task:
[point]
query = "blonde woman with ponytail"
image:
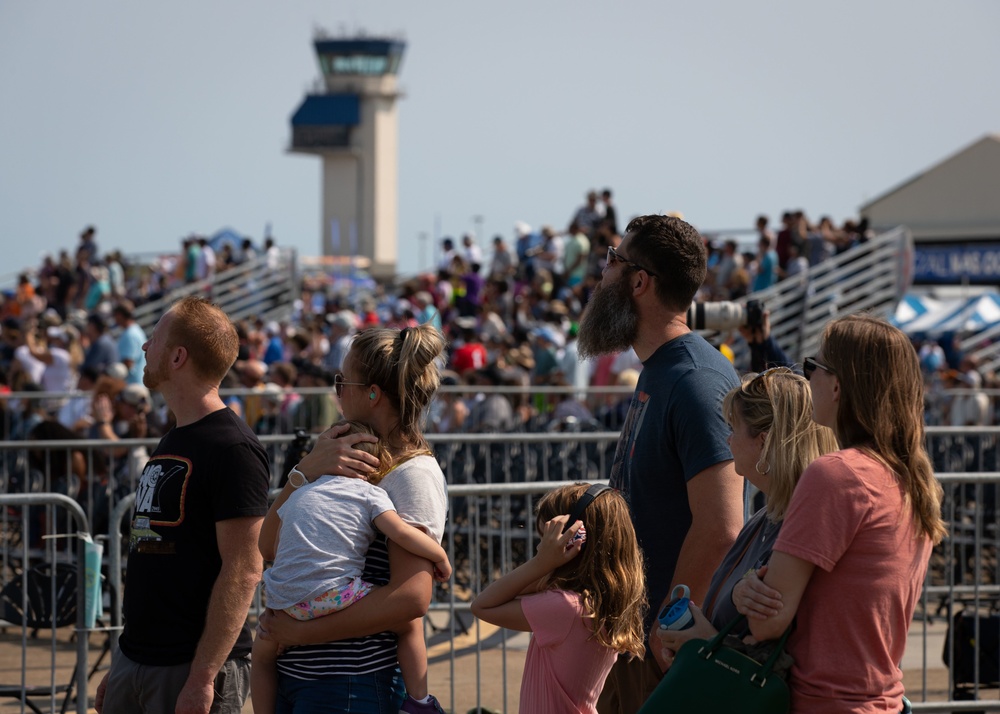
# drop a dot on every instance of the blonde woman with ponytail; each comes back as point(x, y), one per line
point(849, 564)
point(388, 380)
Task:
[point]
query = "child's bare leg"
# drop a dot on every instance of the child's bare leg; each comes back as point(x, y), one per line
point(412, 654)
point(264, 676)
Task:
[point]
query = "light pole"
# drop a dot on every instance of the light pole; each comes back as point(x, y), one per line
point(478, 221)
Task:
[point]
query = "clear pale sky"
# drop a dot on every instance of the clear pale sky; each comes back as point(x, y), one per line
point(156, 120)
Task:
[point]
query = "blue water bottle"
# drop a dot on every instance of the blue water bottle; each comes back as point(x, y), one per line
point(676, 615)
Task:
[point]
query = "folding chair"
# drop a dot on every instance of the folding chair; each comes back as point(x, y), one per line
point(35, 608)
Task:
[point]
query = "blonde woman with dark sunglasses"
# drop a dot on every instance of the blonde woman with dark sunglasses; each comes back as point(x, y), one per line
point(773, 440)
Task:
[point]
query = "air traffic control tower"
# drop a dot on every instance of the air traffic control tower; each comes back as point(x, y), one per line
point(353, 126)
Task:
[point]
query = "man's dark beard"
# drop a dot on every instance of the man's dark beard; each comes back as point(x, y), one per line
point(610, 322)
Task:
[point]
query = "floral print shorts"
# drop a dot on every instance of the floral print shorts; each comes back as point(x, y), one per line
point(331, 601)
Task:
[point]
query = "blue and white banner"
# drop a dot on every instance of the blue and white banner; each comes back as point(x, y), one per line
point(958, 264)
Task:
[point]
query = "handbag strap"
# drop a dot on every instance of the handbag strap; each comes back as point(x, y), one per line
point(713, 644)
point(769, 665)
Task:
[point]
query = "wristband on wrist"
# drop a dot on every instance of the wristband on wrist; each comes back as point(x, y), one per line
point(296, 478)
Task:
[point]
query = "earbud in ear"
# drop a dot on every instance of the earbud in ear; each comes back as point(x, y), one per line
point(372, 395)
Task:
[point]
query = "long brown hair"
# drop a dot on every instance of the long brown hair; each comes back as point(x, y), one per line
point(881, 407)
point(608, 573)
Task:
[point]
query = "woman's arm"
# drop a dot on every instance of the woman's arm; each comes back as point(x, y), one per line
point(498, 603)
point(789, 576)
point(334, 453)
point(414, 541)
point(405, 598)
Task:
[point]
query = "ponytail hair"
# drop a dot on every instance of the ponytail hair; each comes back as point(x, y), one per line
point(403, 363)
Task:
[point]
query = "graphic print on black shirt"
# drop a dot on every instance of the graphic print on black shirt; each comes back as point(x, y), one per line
point(159, 502)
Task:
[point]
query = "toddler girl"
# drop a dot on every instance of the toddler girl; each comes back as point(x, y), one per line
point(318, 537)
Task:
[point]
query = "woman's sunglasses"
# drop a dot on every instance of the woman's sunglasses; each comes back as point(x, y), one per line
point(339, 383)
point(810, 365)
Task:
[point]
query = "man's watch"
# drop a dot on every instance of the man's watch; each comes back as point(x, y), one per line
point(296, 477)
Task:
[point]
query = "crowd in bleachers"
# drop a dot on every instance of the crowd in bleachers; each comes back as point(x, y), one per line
point(510, 316)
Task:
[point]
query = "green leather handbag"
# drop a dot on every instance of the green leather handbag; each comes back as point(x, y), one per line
point(710, 678)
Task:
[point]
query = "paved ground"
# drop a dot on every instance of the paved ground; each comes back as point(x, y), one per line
point(496, 660)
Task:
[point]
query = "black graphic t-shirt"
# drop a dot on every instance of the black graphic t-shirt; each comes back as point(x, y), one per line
point(202, 473)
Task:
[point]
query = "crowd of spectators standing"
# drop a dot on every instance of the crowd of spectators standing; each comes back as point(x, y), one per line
point(510, 318)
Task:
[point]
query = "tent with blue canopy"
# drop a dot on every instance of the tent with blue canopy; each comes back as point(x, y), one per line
point(912, 307)
point(930, 319)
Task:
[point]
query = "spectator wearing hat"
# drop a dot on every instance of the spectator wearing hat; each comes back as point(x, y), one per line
point(427, 310)
point(548, 343)
point(471, 352)
point(130, 341)
point(526, 246)
point(274, 350)
point(124, 416)
point(342, 326)
point(98, 289)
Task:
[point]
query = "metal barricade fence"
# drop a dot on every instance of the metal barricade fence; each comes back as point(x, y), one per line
point(494, 481)
point(276, 411)
point(45, 588)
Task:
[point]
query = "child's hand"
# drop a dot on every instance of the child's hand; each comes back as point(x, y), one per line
point(442, 570)
point(557, 548)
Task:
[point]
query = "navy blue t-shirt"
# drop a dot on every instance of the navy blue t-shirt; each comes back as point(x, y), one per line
point(673, 431)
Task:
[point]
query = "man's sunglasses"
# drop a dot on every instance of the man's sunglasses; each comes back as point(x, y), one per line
point(615, 257)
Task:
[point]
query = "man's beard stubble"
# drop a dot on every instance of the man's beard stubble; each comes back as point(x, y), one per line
point(610, 322)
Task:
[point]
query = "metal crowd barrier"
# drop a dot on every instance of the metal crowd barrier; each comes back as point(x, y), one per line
point(45, 588)
point(494, 483)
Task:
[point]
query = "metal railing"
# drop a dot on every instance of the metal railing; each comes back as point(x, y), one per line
point(495, 480)
point(250, 289)
point(16, 559)
point(870, 276)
